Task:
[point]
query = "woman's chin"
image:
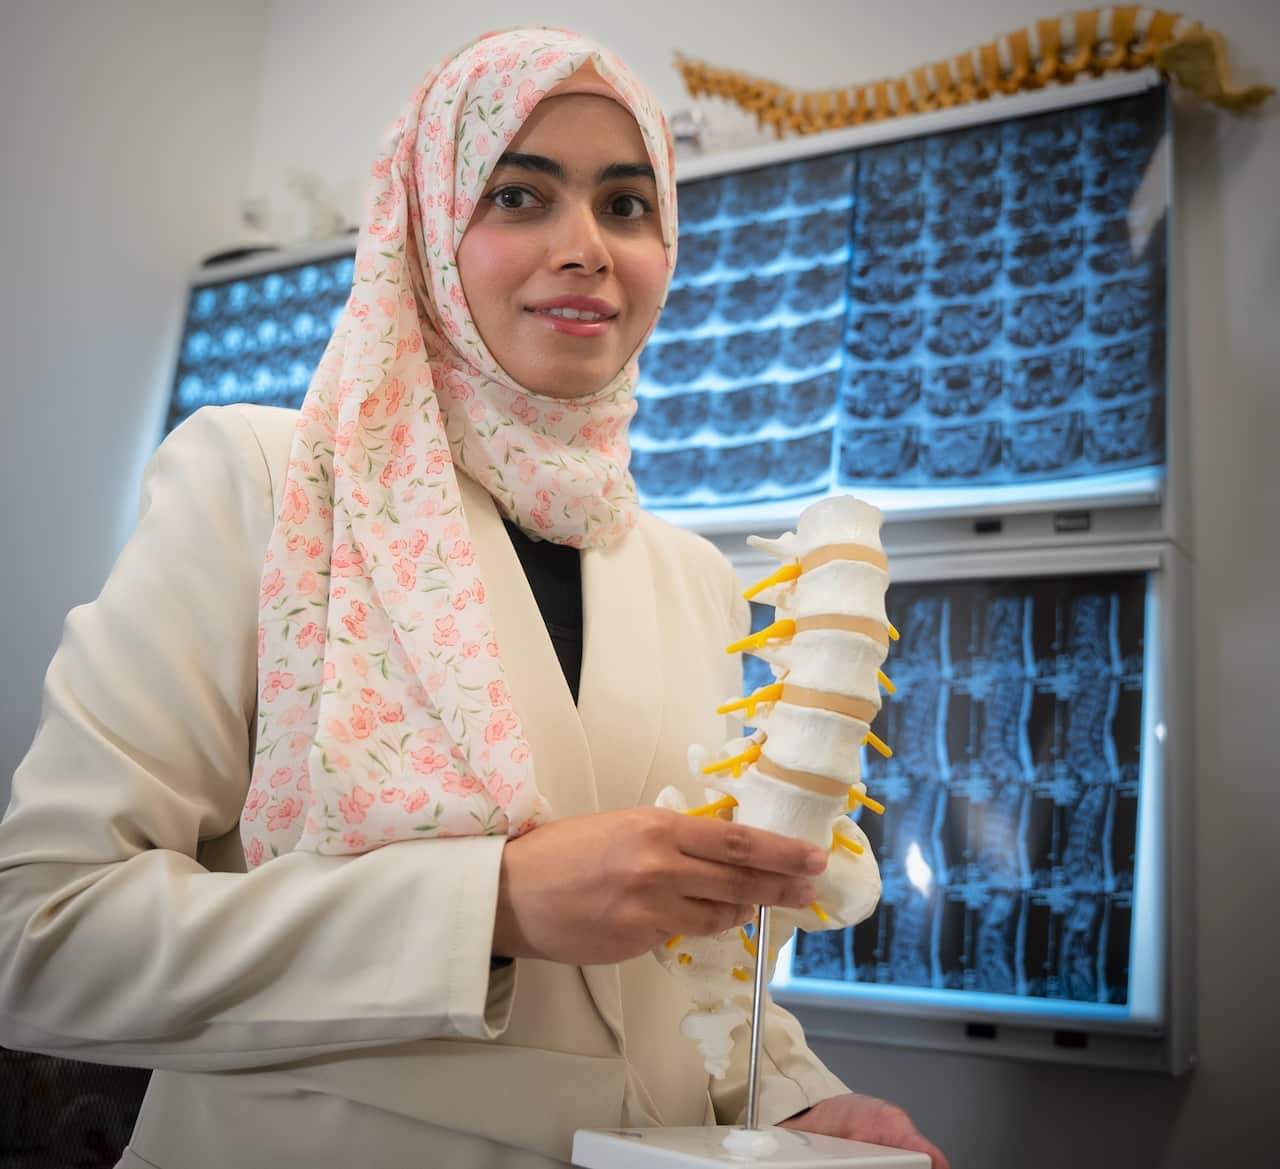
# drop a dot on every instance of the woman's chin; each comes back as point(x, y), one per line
point(569, 382)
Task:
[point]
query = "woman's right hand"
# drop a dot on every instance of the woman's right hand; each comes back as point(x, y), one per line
point(602, 888)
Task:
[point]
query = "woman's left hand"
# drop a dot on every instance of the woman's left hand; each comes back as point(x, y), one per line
point(864, 1118)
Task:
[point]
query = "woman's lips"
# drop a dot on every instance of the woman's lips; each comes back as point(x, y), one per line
point(575, 328)
point(578, 316)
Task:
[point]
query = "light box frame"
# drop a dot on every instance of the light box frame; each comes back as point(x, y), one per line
point(1162, 1039)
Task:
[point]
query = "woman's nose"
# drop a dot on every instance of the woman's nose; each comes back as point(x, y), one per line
point(579, 243)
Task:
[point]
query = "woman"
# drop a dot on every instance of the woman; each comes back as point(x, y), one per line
point(319, 822)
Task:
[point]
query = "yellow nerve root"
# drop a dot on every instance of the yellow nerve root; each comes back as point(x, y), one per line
point(879, 744)
point(838, 841)
point(770, 693)
point(672, 942)
point(822, 917)
point(785, 573)
point(735, 763)
point(779, 629)
point(884, 681)
point(893, 632)
point(713, 809)
point(741, 975)
point(749, 944)
point(685, 959)
point(856, 797)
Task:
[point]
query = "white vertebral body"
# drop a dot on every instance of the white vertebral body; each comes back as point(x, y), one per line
point(810, 753)
point(852, 587)
point(765, 803)
point(838, 520)
point(829, 659)
point(817, 741)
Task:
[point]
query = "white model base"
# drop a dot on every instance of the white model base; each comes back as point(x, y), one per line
point(705, 1148)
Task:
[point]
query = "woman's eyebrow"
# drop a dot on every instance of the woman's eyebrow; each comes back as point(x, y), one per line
point(533, 162)
point(627, 170)
point(541, 164)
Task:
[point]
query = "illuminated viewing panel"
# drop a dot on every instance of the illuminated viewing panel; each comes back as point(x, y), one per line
point(1009, 844)
point(983, 307)
point(968, 317)
point(258, 338)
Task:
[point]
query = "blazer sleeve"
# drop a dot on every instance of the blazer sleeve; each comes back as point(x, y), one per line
point(117, 945)
point(792, 1078)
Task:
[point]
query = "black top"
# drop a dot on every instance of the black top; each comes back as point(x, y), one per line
point(554, 572)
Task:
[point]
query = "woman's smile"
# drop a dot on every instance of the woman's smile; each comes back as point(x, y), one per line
point(578, 316)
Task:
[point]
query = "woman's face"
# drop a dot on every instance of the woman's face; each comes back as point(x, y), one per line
point(562, 263)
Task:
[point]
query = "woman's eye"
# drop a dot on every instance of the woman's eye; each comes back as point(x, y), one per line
point(628, 206)
point(512, 198)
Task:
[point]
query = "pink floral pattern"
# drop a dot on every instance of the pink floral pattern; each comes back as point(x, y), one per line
point(383, 710)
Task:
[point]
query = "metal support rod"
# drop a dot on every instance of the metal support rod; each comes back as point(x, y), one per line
point(758, 991)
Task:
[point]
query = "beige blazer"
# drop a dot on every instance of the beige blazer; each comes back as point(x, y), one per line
point(330, 1010)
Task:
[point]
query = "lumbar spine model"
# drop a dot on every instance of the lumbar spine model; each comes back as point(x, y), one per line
point(799, 773)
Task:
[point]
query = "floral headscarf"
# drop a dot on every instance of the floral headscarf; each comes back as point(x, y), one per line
point(383, 710)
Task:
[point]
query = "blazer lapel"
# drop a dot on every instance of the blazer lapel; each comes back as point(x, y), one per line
point(563, 760)
point(621, 696)
point(619, 701)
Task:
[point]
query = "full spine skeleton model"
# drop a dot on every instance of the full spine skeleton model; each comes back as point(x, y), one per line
point(799, 772)
point(1055, 51)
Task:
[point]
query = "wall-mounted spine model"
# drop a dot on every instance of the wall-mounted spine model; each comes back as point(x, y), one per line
point(799, 772)
point(1054, 51)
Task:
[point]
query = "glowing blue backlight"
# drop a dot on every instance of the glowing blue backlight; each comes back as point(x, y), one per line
point(1008, 848)
point(968, 318)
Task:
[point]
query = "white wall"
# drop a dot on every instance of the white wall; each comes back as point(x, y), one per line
point(125, 156)
point(377, 52)
point(125, 137)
